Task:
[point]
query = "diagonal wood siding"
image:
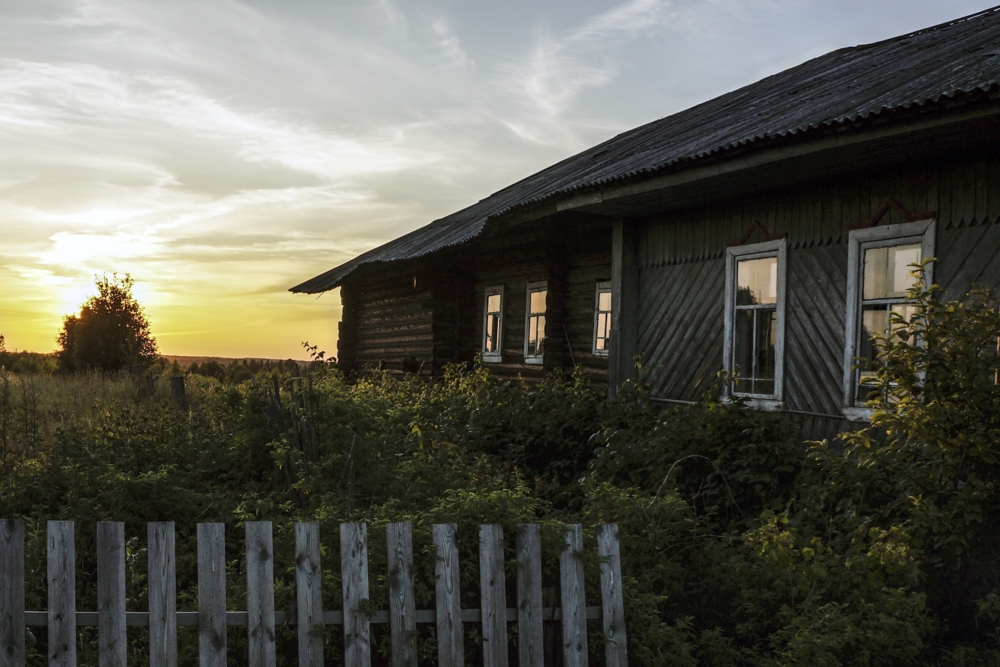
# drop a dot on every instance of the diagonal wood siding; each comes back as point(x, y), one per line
point(683, 270)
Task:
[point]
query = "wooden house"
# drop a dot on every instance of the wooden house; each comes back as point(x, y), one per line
point(767, 230)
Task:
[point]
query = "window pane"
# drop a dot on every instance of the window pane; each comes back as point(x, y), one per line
point(743, 347)
point(536, 335)
point(887, 270)
point(874, 320)
point(757, 281)
point(898, 270)
point(493, 303)
point(876, 260)
point(604, 301)
point(904, 310)
point(766, 332)
point(492, 328)
point(538, 301)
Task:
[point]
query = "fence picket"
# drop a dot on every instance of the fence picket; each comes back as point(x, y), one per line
point(111, 642)
point(448, 602)
point(11, 593)
point(260, 593)
point(574, 603)
point(530, 632)
point(309, 594)
point(260, 618)
point(493, 593)
point(62, 593)
point(615, 648)
point(402, 604)
point(162, 595)
point(354, 573)
point(211, 595)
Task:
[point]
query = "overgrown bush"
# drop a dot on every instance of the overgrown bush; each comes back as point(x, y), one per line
point(741, 544)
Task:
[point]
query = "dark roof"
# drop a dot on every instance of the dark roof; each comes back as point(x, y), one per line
point(845, 86)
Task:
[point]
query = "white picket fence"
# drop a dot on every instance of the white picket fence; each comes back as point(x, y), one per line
point(260, 618)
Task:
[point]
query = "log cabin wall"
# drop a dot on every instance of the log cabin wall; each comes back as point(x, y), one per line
point(571, 265)
point(387, 322)
point(682, 270)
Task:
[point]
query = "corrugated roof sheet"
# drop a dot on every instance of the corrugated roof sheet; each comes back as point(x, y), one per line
point(852, 84)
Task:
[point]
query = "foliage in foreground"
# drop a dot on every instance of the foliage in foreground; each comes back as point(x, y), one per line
point(741, 544)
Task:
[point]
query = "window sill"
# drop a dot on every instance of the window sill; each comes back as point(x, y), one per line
point(858, 414)
point(766, 404)
point(492, 360)
point(535, 361)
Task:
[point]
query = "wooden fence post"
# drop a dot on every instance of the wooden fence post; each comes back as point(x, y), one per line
point(448, 599)
point(616, 646)
point(260, 593)
point(530, 634)
point(62, 593)
point(11, 593)
point(402, 604)
point(212, 595)
point(574, 603)
point(493, 592)
point(112, 648)
point(354, 573)
point(162, 595)
point(309, 594)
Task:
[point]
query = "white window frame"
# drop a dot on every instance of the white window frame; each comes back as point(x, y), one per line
point(497, 355)
point(778, 249)
point(921, 231)
point(603, 286)
point(538, 286)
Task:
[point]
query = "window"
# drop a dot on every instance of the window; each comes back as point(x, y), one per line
point(534, 334)
point(602, 319)
point(493, 324)
point(755, 320)
point(878, 276)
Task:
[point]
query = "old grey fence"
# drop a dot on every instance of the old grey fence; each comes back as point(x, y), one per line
point(260, 618)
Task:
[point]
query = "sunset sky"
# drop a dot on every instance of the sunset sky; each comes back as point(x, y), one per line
point(221, 152)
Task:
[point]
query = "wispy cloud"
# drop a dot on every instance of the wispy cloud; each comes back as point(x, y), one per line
point(223, 151)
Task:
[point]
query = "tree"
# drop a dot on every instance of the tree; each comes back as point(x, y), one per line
point(110, 333)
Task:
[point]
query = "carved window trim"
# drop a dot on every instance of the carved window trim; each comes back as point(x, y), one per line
point(495, 355)
point(777, 248)
point(920, 231)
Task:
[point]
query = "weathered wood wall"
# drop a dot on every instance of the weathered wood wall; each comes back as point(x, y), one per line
point(387, 322)
point(682, 269)
point(422, 315)
point(571, 265)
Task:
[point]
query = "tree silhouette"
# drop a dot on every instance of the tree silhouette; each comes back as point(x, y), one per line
point(110, 333)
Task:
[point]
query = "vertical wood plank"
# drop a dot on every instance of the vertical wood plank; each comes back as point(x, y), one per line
point(530, 640)
point(616, 648)
point(574, 602)
point(111, 643)
point(493, 594)
point(12, 593)
point(162, 595)
point(212, 595)
point(354, 574)
point(982, 181)
point(62, 593)
point(451, 641)
point(309, 594)
point(402, 603)
point(260, 593)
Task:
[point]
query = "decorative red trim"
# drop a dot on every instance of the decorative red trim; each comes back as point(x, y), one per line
point(754, 227)
point(891, 203)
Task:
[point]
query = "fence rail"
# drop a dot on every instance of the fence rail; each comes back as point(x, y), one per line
point(62, 619)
